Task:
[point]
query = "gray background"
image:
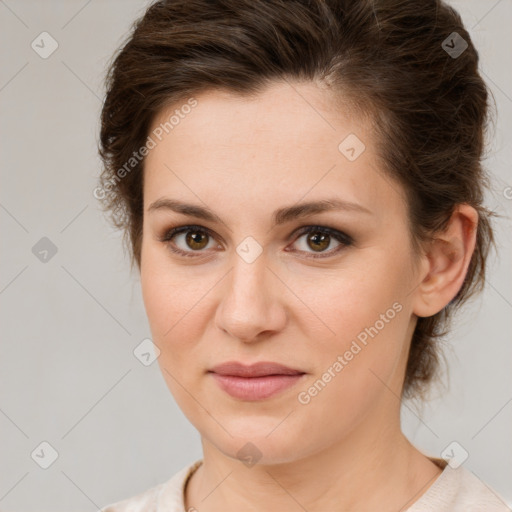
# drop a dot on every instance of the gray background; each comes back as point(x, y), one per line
point(68, 375)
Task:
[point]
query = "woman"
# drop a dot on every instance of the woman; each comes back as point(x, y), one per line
point(300, 187)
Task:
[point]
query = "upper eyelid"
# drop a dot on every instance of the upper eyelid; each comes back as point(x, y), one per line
point(177, 230)
point(340, 236)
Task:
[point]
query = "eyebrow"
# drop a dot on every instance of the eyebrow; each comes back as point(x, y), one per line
point(280, 216)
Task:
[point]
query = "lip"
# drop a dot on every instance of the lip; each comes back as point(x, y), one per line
point(255, 382)
point(259, 369)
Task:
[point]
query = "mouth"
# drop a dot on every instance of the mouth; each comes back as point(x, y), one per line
point(258, 381)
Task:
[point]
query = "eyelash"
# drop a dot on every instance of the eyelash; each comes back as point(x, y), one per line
point(344, 239)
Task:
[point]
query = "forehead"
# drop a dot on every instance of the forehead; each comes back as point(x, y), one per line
point(278, 146)
point(301, 114)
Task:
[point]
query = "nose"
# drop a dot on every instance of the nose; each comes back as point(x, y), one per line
point(251, 306)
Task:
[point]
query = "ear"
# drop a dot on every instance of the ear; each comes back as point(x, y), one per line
point(445, 262)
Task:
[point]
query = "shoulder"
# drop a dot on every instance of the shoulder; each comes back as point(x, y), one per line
point(459, 490)
point(474, 494)
point(164, 497)
point(145, 501)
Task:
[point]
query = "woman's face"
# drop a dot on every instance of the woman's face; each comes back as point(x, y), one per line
point(247, 286)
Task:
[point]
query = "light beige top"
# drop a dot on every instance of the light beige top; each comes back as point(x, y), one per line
point(454, 490)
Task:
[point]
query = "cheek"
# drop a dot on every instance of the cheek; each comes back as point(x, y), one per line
point(351, 366)
point(175, 325)
point(171, 307)
point(177, 309)
point(346, 302)
point(361, 316)
point(165, 294)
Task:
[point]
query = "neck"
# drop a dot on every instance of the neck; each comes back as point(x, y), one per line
point(373, 468)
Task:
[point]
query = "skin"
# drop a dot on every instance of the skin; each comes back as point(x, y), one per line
point(245, 157)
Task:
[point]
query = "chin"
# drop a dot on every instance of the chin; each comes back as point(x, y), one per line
point(260, 450)
point(262, 440)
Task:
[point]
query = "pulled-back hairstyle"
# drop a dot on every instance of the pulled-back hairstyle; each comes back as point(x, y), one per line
point(389, 59)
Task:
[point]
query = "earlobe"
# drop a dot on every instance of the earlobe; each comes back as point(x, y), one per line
point(447, 259)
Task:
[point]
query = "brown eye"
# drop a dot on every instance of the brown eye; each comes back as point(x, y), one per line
point(196, 240)
point(318, 241)
point(187, 240)
point(192, 241)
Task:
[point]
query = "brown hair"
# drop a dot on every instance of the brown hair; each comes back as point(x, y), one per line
point(388, 58)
